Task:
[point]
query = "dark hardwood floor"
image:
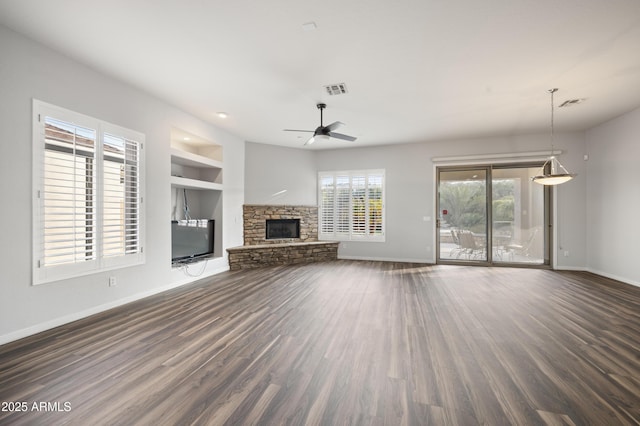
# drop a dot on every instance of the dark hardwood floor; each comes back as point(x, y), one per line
point(343, 343)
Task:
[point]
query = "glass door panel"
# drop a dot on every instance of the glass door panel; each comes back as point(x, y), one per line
point(462, 215)
point(518, 217)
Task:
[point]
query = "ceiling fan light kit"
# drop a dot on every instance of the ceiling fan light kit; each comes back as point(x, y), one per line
point(322, 132)
point(557, 173)
point(317, 138)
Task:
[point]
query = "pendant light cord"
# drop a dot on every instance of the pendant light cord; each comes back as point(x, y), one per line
point(552, 91)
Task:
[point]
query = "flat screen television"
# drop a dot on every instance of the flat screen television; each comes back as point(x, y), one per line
point(191, 239)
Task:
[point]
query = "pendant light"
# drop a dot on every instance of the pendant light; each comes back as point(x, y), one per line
point(557, 173)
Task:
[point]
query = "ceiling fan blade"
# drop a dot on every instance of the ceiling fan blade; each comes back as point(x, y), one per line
point(333, 126)
point(341, 136)
point(296, 130)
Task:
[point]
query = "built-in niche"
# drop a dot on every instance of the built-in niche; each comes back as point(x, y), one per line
point(196, 182)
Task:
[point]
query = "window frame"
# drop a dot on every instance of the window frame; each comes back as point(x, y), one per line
point(342, 230)
point(42, 273)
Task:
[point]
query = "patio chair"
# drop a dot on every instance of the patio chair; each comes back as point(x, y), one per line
point(455, 252)
point(469, 246)
point(524, 248)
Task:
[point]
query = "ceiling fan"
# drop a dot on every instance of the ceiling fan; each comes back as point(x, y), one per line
point(324, 132)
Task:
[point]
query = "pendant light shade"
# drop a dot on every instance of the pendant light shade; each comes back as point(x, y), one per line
point(556, 173)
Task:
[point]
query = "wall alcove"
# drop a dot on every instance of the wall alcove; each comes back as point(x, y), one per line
point(196, 181)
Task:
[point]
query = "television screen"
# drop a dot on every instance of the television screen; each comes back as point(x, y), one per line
point(191, 238)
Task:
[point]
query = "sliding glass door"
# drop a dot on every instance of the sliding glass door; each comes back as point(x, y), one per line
point(492, 215)
point(462, 214)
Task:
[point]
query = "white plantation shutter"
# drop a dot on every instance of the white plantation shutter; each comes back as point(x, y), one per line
point(326, 213)
point(375, 204)
point(68, 202)
point(351, 205)
point(342, 210)
point(88, 195)
point(121, 193)
point(358, 205)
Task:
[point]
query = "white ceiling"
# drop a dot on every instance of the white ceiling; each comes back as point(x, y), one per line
point(416, 70)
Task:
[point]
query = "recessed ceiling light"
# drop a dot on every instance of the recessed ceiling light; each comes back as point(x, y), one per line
point(186, 138)
point(222, 114)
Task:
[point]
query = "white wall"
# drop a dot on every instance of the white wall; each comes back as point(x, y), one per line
point(408, 194)
point(613, 198)
point(410, 185)
point(278, 175)
point(29, 70)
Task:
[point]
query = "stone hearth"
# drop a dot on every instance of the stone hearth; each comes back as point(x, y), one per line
point(247, 257)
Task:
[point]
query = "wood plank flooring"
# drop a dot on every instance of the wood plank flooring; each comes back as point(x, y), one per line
point(341, 343)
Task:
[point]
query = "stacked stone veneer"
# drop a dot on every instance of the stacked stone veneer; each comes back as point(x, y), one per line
point(257, 251)
point(255, 217)
point(246, 257)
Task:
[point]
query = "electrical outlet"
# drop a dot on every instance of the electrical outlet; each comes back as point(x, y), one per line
point(112, 281)
point(566, 253)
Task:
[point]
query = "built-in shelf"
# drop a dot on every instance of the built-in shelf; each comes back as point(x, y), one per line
point(193, 160)
point(182, 182)
point(196, 170)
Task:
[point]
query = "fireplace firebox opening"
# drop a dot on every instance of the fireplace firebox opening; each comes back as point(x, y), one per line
point(282, 229)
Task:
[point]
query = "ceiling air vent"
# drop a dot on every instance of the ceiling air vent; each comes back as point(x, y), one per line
point(336, 89)
point(571, 102)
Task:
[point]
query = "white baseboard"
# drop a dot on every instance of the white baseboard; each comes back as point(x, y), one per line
point(598, 272)
point(388, 259)
point(57, 322)
point(571, 268)
point(614, 277)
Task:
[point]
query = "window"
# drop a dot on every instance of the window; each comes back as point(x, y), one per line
point(88, 195)
point(351, 205)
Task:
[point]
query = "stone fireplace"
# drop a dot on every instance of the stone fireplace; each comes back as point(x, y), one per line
point(254, 218)
point(280, 235)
